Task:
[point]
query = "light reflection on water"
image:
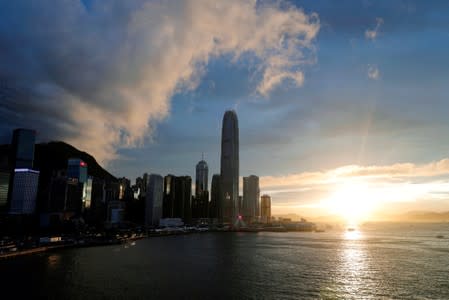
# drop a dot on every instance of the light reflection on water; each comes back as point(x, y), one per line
point(377, 262)
point(353, 263)
point(53, 260)
point(352, 235)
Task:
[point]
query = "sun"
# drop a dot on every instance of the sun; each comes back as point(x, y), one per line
point(353, 201)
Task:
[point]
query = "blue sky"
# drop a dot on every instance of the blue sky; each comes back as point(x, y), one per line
point(364, 121)
point(373, 94)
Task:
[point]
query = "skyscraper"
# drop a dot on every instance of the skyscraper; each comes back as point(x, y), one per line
point(229, 173)
point(77, 170)
point(265, 208)
point(144, 185)
point(201, 178)
point(201, 199)
point(177, 197)
point(22, 158)
point(183, 188)
point(251, 198)
point(24, 191)
point(214, 206)
point(76, 191)
point(4, 188)
point(153, 203)
point(169, 196)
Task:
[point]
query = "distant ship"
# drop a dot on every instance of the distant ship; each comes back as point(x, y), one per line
point(350, 229)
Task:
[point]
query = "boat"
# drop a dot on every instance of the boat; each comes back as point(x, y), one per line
point(440, 236)
point(350, 229)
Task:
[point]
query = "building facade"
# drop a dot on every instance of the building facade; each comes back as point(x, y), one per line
point(201, 199)
point(153, 201)
point(4, 188)
point(77, 184)
point(229, 167)
point(77, 170)
point(265, 208)
point(24, 191)
point(177, 197)
point(214, 205)
point(251, 194)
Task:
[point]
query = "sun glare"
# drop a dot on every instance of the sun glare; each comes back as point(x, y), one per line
point(353, 201)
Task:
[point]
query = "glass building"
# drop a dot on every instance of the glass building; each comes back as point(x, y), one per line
point(177, 197)
point(214, 205)
point(229, 167)
point(201, 199)
point(251, 193)
point(24, 191)
point(153, 202)
point(77, 170)
point(265, 208)
point(4, 188)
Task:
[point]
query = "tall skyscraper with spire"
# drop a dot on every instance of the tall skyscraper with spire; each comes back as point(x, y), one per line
point(201, 181)
point(229, 168)
point(201, 199)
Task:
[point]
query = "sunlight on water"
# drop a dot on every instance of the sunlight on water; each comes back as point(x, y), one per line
point(354, 271)
point(352, 235)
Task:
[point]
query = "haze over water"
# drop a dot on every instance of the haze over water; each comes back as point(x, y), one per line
point(401, 261)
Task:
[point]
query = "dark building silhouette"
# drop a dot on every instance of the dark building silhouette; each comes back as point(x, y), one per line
point(24, 191)
point(139, 186)
point(214, 205)
point(57, 191)
point(77, 179)
point(229, 167)
point(23, 180)
point(125, 190)
point(77, 170)
point(168, 208)
point(177, 197)
point(145, 180)
point(4, 188)
point(153, 201)
point(265, 209)
point(240, 205)
point(251, 193)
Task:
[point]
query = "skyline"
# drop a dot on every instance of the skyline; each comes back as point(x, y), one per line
point(359, 99)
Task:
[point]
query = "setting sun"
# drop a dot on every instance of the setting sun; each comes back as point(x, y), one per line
point(354, 201)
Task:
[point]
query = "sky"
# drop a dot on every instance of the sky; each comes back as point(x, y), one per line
point(339, 102)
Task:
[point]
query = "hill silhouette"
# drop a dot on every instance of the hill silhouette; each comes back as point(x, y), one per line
point(54, 156)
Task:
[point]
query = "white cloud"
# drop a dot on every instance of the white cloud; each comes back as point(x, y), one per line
point(371, 34)
point(373, 72)
point(100, 78)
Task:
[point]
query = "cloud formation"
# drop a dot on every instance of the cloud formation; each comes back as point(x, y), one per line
point(371, 34)
point(101, 76)
point(401, 182)
point(392, 172)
